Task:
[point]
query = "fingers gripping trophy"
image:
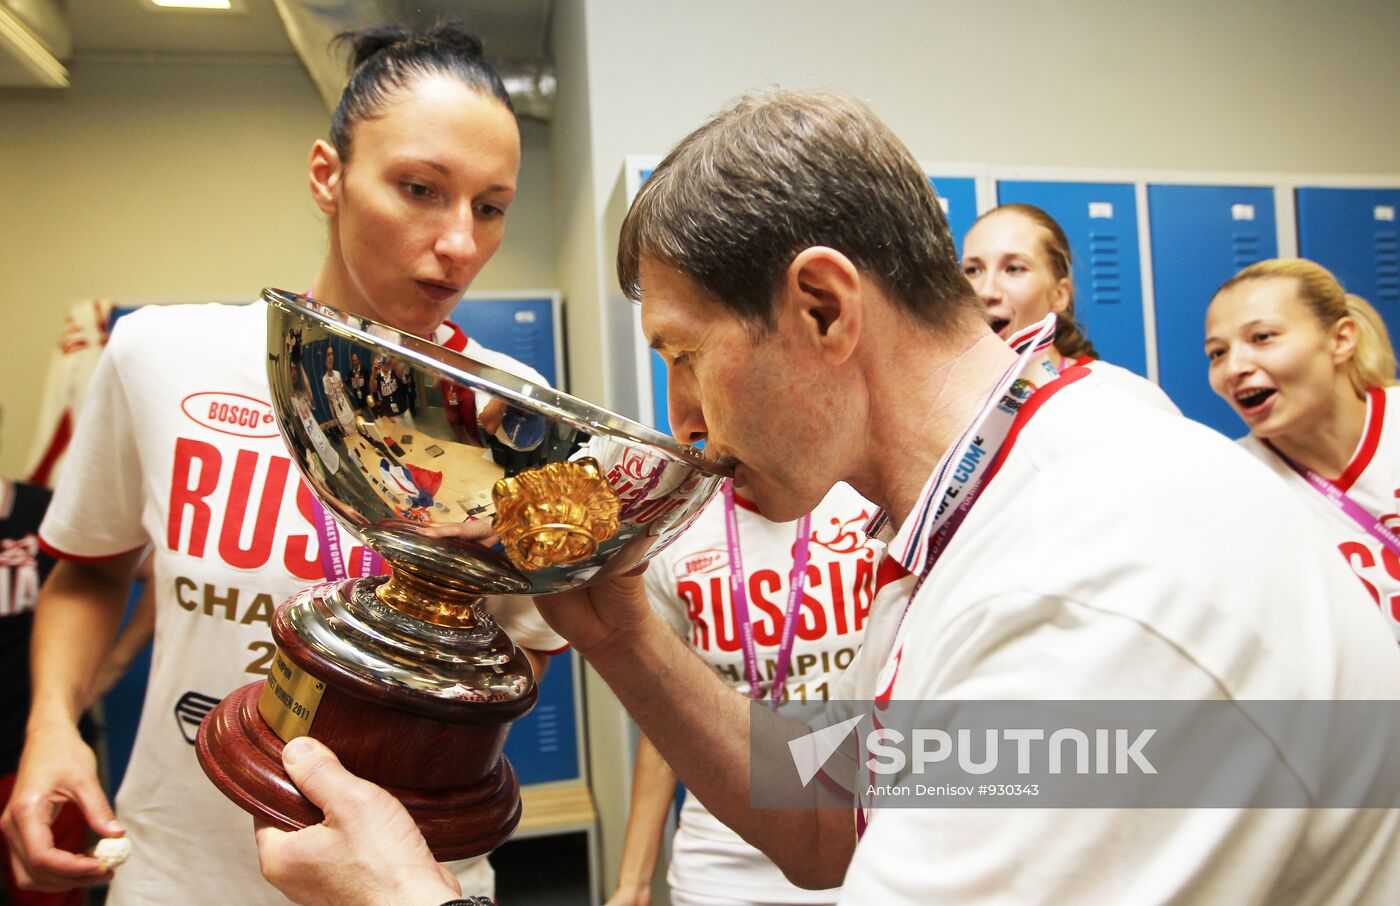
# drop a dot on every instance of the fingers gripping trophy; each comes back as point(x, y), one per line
point(470, 482)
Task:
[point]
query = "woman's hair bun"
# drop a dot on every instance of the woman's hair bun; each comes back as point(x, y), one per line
point(364, 43)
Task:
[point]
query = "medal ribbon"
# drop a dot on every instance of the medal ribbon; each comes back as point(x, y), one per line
point(328, 536)
point(961, 476)
point(738, 589)
point(1342, 501)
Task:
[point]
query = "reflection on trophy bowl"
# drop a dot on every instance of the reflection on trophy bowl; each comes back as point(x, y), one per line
point(470, 481)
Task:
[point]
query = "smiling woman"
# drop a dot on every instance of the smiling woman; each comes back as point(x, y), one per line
point(1311, 371)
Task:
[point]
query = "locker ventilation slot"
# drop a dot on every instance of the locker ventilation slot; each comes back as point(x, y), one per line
point(1244, 250)
point(1388, 266)
point(1105, 269)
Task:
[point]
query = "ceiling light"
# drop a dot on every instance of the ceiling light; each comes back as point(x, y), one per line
point(226, 5)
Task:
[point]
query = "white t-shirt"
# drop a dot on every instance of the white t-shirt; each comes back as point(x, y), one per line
point(177, 448)
point(1122, 553)
point(334, 385)
point(1372, 479)
point(1129, 382)
point(689, 586)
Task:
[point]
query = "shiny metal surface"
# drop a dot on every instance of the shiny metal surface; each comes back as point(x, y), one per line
point(346, 623)
point(415, 448)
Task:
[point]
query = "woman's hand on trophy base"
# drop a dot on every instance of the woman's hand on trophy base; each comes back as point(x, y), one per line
point(367, 850)
point(600, 618)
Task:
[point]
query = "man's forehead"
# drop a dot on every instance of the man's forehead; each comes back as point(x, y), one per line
point(665, 293)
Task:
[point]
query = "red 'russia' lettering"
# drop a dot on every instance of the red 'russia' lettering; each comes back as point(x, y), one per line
point(199, 462)
point(259, 548)
point(694, 599)
point(767, 631)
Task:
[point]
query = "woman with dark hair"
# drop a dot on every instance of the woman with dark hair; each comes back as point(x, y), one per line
point(1310, 370)
point(414, 182)
point(1018, 259)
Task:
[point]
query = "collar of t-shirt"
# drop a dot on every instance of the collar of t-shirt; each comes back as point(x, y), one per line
point(449, 335)
point(1033, 344)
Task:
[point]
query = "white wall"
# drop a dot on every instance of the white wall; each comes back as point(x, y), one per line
point(174, 179)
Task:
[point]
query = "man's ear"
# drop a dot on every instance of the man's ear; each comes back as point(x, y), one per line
point(324, 172)
point(824, 292)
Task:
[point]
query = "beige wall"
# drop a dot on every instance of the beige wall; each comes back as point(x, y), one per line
point(176, 180)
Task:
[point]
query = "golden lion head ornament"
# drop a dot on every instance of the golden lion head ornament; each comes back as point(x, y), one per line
point(556, 514)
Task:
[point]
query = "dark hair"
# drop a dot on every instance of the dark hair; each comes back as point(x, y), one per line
point(384, 59)
point(1070, 339)
point(782, 171)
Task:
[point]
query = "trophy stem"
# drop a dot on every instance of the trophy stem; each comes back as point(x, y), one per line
point(428, 598)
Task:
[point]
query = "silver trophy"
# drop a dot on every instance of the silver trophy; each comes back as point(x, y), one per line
point(469, 481)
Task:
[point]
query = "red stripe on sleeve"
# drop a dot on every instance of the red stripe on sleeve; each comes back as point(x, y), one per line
point(76, 558)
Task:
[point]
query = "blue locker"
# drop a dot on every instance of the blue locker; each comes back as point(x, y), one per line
point(521, 328)
point(1100, 220)
point(958, 195)
point(543, 745)
point(1352, 232)
point(1201, 236)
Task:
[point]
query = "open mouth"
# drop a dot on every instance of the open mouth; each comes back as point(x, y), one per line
point(1254, 397)
point(999, 325)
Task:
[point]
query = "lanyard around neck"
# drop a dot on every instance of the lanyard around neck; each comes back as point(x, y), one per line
point(739, 591)
point(1342, 501)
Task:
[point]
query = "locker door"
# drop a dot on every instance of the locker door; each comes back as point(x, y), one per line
point(958, 195)
point(543, 745)
point(1201, 236)
point(1100, 220)
point(521, 328)
point(1352, 233)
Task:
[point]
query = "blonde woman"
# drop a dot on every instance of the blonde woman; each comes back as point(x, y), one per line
point(1311, 371)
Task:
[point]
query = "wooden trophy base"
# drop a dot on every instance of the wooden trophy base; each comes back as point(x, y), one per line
point(441, 758)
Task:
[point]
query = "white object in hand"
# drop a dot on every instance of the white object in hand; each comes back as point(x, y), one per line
point(112, 851)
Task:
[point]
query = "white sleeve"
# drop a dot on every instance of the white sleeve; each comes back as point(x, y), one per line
point(521, 620)
point(97, 504)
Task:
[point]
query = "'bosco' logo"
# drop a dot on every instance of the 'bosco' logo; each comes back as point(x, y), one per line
point(230, 413)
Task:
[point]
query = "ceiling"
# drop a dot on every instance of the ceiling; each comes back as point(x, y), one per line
point(510, 29)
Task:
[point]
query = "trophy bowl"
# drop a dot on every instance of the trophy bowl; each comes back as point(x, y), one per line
point(470, 481)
